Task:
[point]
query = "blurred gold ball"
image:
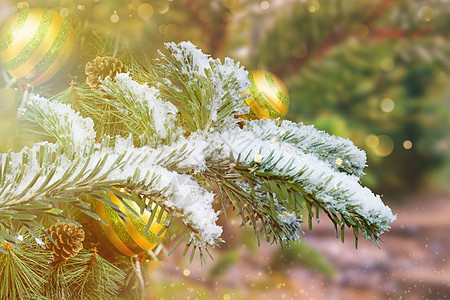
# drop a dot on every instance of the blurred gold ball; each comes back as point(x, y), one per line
point(129, 238)
point(35, 44)
point(270, 96)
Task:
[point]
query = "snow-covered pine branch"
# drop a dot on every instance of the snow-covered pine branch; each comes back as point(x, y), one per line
point(142, 111)
point(59, 121)
point(33, 175)
point(336, 192)
point(260, 168)
point(26, 179)
point(209, 93)
point(339, 153)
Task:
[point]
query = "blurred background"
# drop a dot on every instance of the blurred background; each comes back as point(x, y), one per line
point(373, 71)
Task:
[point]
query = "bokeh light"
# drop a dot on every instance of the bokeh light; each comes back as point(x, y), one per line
point(407, 144)
point(265, 4)
point(372, 141)
point(114, 17)
point(385, 146)
point(145, 11)
point(425, 13)
point(314, 6)
point(23, 5)
point(387, 105)
point(64, 12)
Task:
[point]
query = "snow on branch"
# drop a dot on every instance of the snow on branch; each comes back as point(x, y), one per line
point(142, 109)
point(26, 176)
point(341, 154)
point(337, 192)
point(211, 92)
point(60, 121)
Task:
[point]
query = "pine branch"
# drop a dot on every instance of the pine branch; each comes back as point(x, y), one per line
point(267, 171)
point(100, 167)
point(338, 34)
point(23, 269)
point(341, 154)
point(287, 170)
point(208, 93)
point(256, 205)
point(94, 277)
point(141, 110)
point(57, 285)
point(60, 121)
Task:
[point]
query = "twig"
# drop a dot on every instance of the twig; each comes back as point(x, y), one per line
point(138, 271)
point(22, 103)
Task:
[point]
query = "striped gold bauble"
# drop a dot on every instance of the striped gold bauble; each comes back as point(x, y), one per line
point(128, 236)
point(270, 96)
point(35, 44)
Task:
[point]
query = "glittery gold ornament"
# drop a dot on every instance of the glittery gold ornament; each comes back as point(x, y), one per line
point(35, 44)
point(270, 96)
point(128, 236)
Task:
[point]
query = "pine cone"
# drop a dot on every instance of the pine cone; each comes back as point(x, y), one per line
point(69, 241)
point(102, 67)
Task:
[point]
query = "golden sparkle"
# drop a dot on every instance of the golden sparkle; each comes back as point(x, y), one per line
point(425, 13)
point(385, 146)
point(145, 11)
point(64, 12)
point(265, 5)
point(313, 6)
point(23, 5)
point(387, 105)
point(407, 144)
point(114, 17)
point(372, 141)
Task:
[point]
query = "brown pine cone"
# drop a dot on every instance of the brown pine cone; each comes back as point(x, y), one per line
point(102, 67)
point(69, 241)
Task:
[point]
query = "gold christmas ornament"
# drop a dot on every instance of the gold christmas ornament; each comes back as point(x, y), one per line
point(128, 237)
point(35, 44)
point(270, 96)
point(102, 67)
point(68, 238)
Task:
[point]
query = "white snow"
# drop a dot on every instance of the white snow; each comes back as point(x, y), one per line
point(197, 60)
point(180, 191)
point(311, 173)
point(226, 81)
point(140, 98)
point(310, 140)
point(61, 120)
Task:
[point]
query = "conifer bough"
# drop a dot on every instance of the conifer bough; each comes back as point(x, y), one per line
point(171, 138)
